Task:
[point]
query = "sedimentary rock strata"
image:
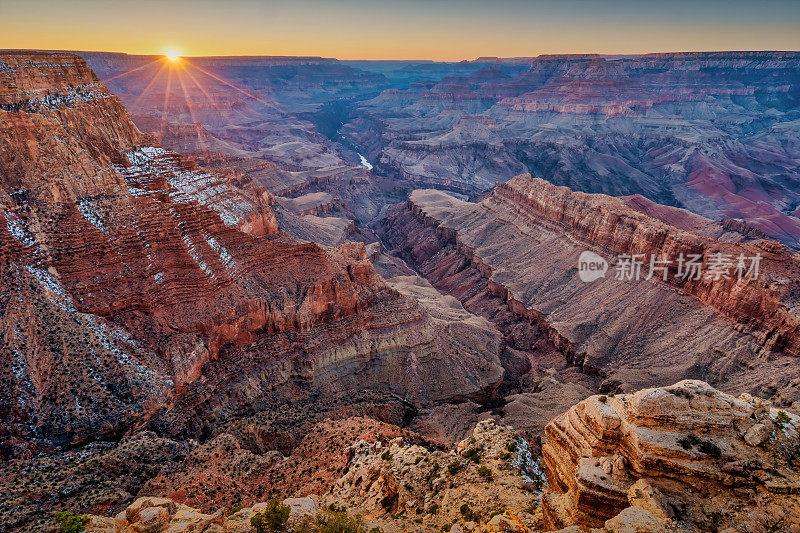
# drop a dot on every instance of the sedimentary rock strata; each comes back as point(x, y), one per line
point(130, 273)
point(712, 132)
point(522, 244)
point(686, 453)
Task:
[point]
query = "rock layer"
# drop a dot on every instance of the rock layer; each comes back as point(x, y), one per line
point(129, 273)
point(686, 453)
point(523, 242)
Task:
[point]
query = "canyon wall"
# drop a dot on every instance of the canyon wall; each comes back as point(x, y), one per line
point(137, 285)
point(711, 132)
point(524, 241)
point(684, 453)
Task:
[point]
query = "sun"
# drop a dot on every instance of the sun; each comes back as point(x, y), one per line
point(172, 55)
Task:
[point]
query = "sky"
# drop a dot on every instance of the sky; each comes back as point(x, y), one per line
point(400, 29)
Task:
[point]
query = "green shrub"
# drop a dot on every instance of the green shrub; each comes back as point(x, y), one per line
point(484, 472)
point(782, 419)
point(386, 456)
point(304, 526)
point(603, 398)
point(496, 512)
point(340, 522)
point(70, 522)
point(466, 512)
point(273, 518)
point(235, 509)
point(473, 455)
point(512, 446)
point(453, 468)
point(532, 507)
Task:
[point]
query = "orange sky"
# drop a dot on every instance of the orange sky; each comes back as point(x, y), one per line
point(410, 29)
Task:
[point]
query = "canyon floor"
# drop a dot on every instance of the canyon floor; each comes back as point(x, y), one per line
point(356, 287)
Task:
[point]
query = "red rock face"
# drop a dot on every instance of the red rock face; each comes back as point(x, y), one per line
point(127, 269)
point(609, 224)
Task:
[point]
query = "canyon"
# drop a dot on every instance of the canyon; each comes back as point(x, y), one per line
point(354, 287)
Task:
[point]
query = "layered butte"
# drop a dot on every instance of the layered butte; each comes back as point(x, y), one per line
point(520, 248)
point(137, 286)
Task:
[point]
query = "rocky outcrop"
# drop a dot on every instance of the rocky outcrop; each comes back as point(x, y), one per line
point(407, 487)
point(161, 514)
point(687, 454)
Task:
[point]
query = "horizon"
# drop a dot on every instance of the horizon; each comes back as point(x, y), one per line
point(444, 30)
point(169, 53)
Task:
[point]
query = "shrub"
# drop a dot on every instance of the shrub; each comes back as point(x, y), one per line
point(304, 526)
point(705, 446)
point(484, 472)
point(386, 456)
point(710, 448)
point(466, 512)
point(473, 455)
point(512, 446)
point(70, 522)
point(603, 398)
point(273, 518)
point(782, 419)
point(235, 509)
point(532, 507)
point(496, 512)
point(453, 468)
point(340, 522)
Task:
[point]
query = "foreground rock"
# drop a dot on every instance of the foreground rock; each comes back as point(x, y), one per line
point(406, 487)
point(686, 454)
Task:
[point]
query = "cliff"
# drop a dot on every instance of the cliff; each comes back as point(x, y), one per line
point(518, 250)
point(612, 226)
point(129, 272)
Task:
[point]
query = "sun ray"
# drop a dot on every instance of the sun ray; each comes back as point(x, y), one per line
point(166, 102)
point(213, 100)
point(149, 85)
point(133, 70)
point(207, 73)
point(186, 98)
point(210, 99)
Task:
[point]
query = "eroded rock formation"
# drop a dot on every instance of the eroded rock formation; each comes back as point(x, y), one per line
point(520, 247)
point(136, 282)
point(686, 454)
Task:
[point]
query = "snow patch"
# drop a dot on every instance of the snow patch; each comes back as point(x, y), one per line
point(17, 228)
point(89, 211)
